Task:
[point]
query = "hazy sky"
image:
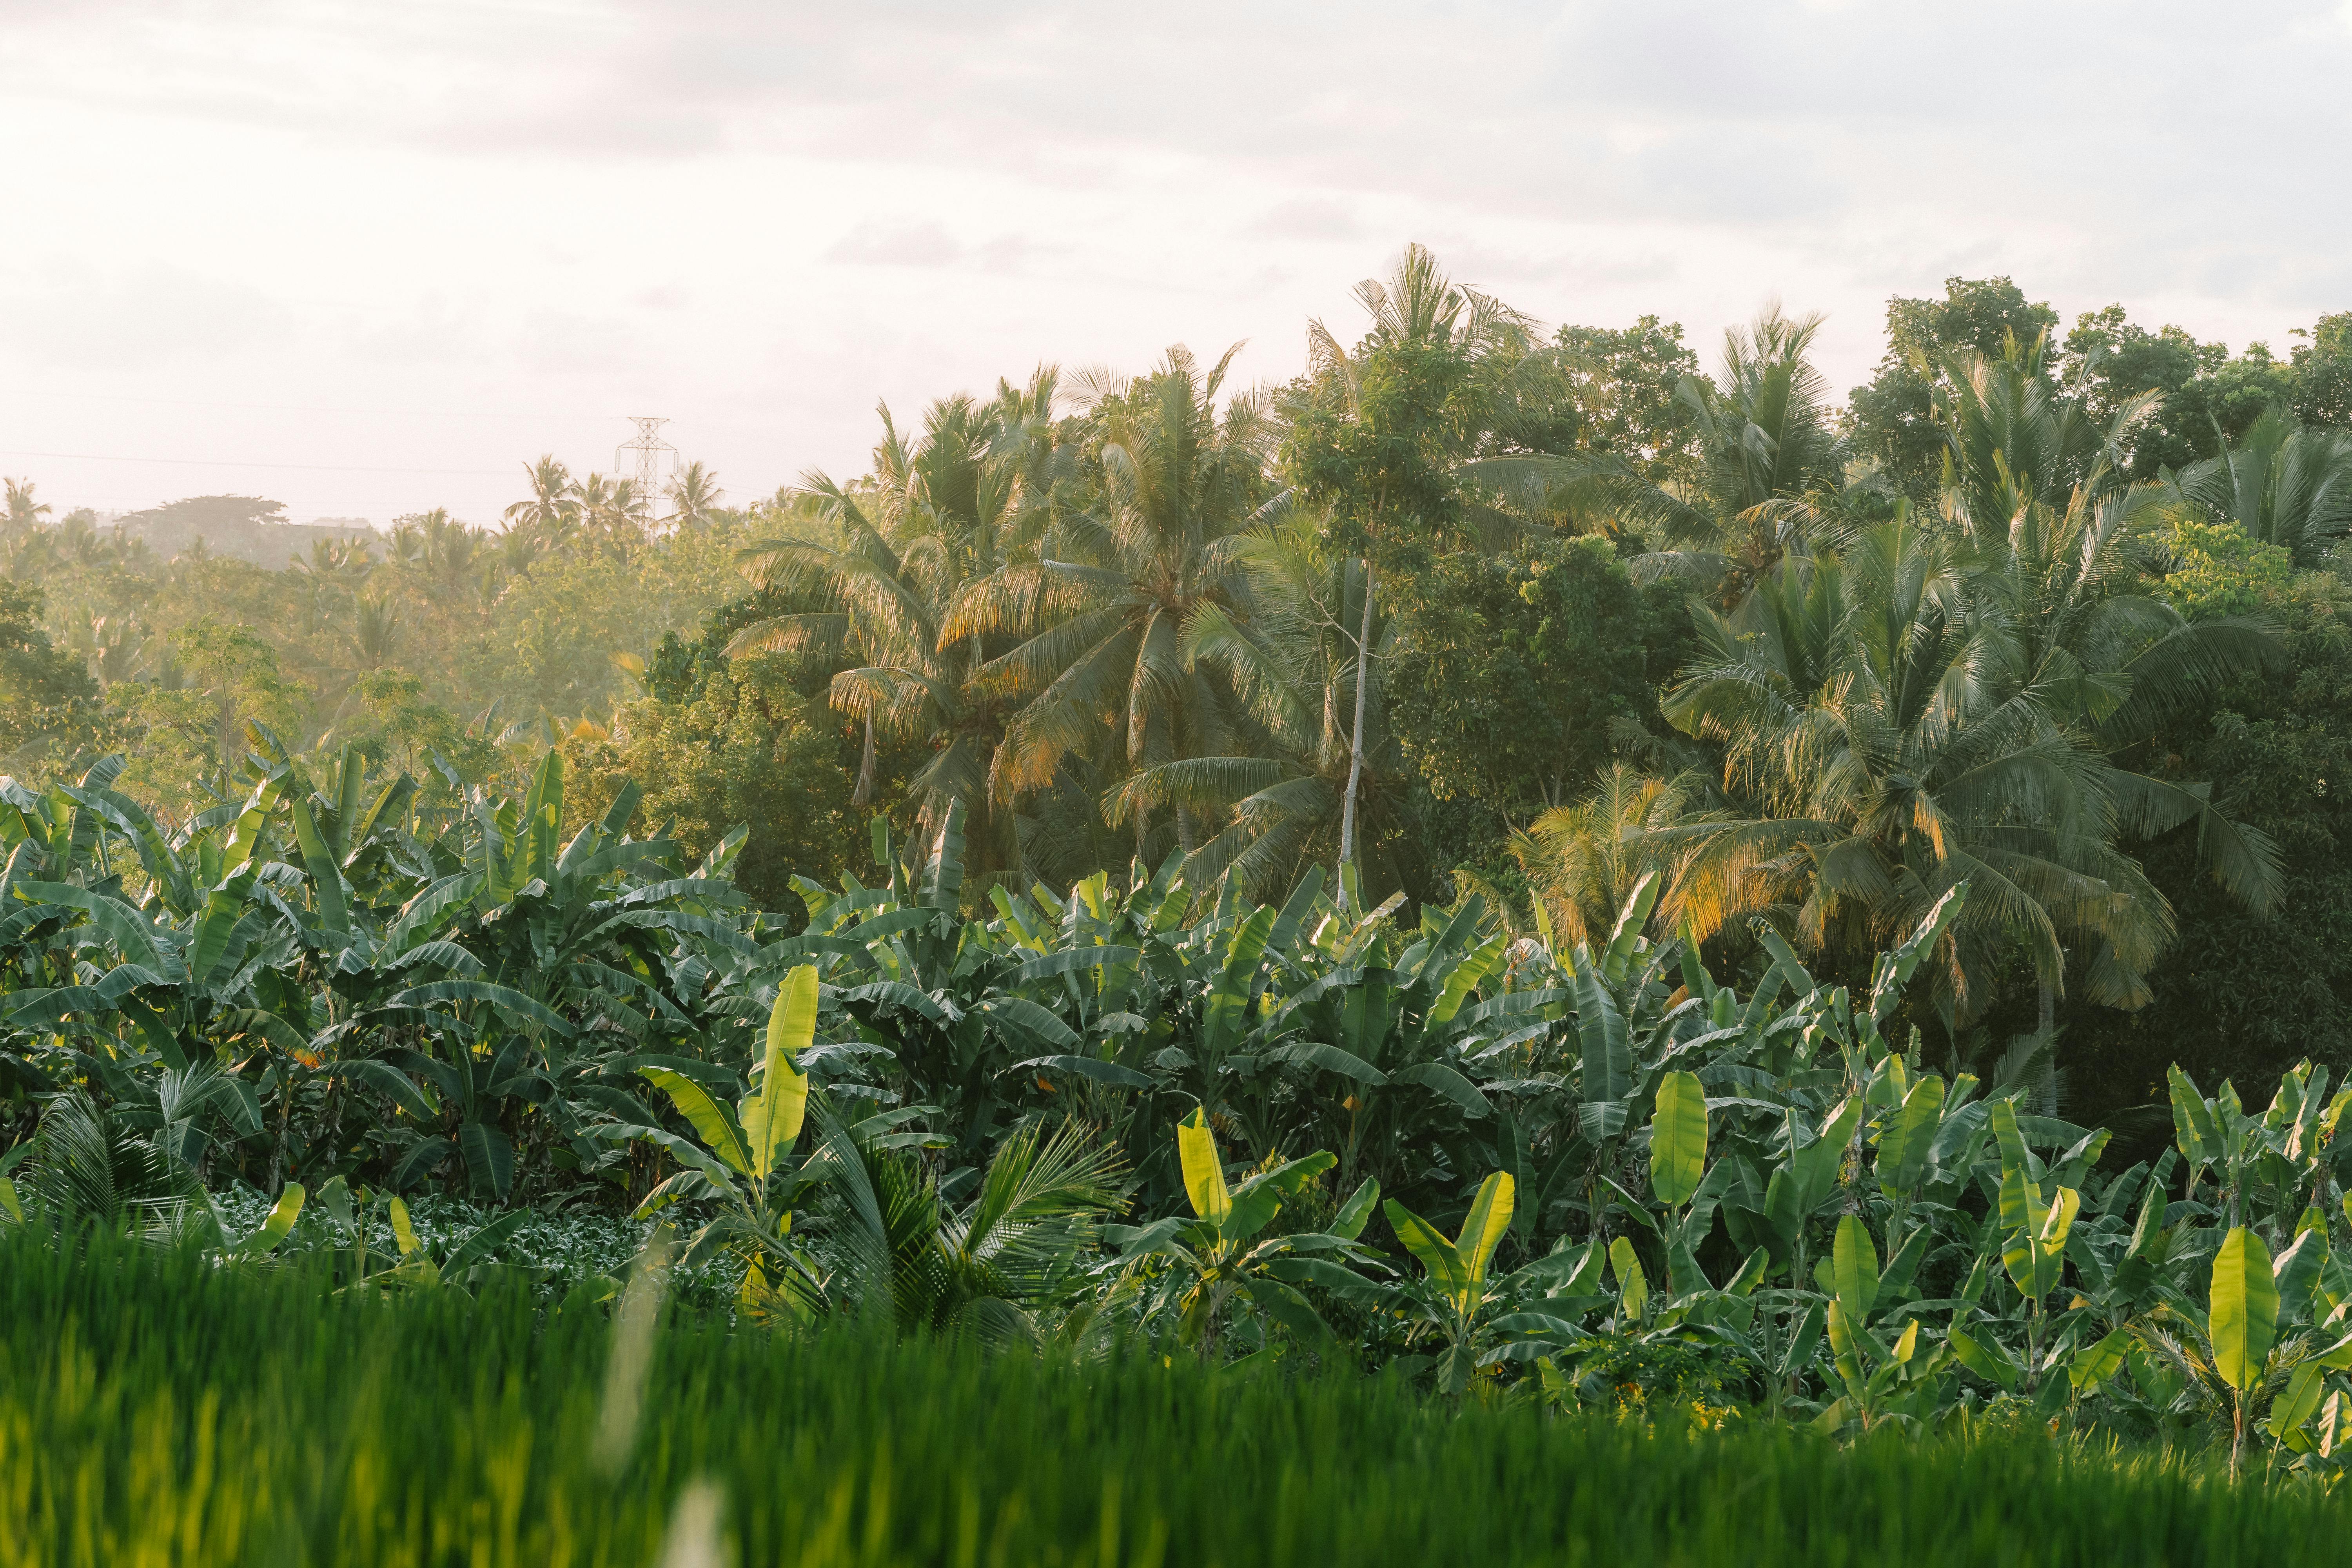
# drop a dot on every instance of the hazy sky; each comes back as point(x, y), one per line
point(368, 258)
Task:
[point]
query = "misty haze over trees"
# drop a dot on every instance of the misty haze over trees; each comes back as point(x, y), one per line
point(2057, 606)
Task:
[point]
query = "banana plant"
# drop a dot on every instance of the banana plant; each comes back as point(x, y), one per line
point(2285, 1159)
point(1215, 1259)
point(740, 1159)
point(469, 1266)
point(2270, 1337)
point(1882, 1380)
point(2032, 1233)
point(1455, 1291)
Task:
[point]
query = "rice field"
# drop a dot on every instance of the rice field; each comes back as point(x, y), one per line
point(156, 1410)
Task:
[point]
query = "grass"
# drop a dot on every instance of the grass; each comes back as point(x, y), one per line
point(153, 1411)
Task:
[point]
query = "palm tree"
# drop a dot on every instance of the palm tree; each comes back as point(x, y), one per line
point(985, 1268)
point(1293, 667)
point(553, 512)
point(1772, 476)
point(1927, 708)
point(889, 556)
point(1583, 860)
point(2285, 483)
point(374, 631)
point(613, 515)
point(2012, 434)
point(694, 497)
point(1106, 602)
point(24, 513)
point(452, 557)
point(1419, 307)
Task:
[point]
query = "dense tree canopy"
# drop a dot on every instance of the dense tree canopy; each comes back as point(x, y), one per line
point(1472, 601)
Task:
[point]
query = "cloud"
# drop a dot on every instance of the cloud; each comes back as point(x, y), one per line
point(1306, 217)
point(873, 244)
point(149, 314)
point(583, 204)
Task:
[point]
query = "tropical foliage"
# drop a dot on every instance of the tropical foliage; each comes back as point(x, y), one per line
point(1522, 1168)
point(1584, 883)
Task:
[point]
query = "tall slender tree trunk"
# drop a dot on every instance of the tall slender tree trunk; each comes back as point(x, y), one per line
point(2045, 1015)
point(1356, 744)
point(865, 792)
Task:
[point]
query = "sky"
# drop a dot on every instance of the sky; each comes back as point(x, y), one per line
point(367, 259)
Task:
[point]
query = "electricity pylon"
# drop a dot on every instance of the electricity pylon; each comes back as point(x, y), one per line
point(653, 459)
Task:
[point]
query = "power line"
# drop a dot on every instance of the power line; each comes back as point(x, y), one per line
point(218, 463)
point(47, 394)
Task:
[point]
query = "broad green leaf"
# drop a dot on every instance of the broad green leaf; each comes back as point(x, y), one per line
point(326, 879)
point(1987, 1361)
point(1801, 1340)
point(282, 1216)
point(1627, 932)
point(8, 1203)
point(2192, 1120)
point(1893, 970)
point(1633, 1285)
point(1910, 1132)
point(1483, 1226)
point(1678, 1138)
point(2094, 1364)
point(1204, 1170)
point(2060, 1221)
point(2021, 1211)
point(489, 1158)
point(710, 1122)
point(2014, 1153)
point(2300, 1401)
point(1228, 1005)
point(1607, 1061)
point(1437, 1255)
point(2297, 1271)
point(1353, 1214)
point(1855, 1266)
point(772, 1118)
point(1465, 978)
point(2243, 1315)
point(2151, 1219)
point(1817, 1164)
point(403, 1233)
point(1750, 1274)
point(1845, 1351)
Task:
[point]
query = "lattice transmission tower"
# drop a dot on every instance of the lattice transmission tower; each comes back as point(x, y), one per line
point(653, 461)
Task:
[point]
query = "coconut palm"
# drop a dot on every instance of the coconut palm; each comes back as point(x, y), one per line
point(1292, 666)
point(2012, 434)
point(551, 511)
point(1772, 465)
point(1417, 311)
point(1583, 859)
point(2285, 483)
point(1105, 603)
point(24, 514)
point(889, 556)
point(615, 516)
point(694, 497)
point(1905, 716)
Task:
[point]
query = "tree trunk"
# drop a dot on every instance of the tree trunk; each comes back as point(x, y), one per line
point(2044, 1017)
point(864, 793)
point(1356, 743)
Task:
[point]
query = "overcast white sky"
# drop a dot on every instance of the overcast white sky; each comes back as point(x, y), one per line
point(368, 258)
